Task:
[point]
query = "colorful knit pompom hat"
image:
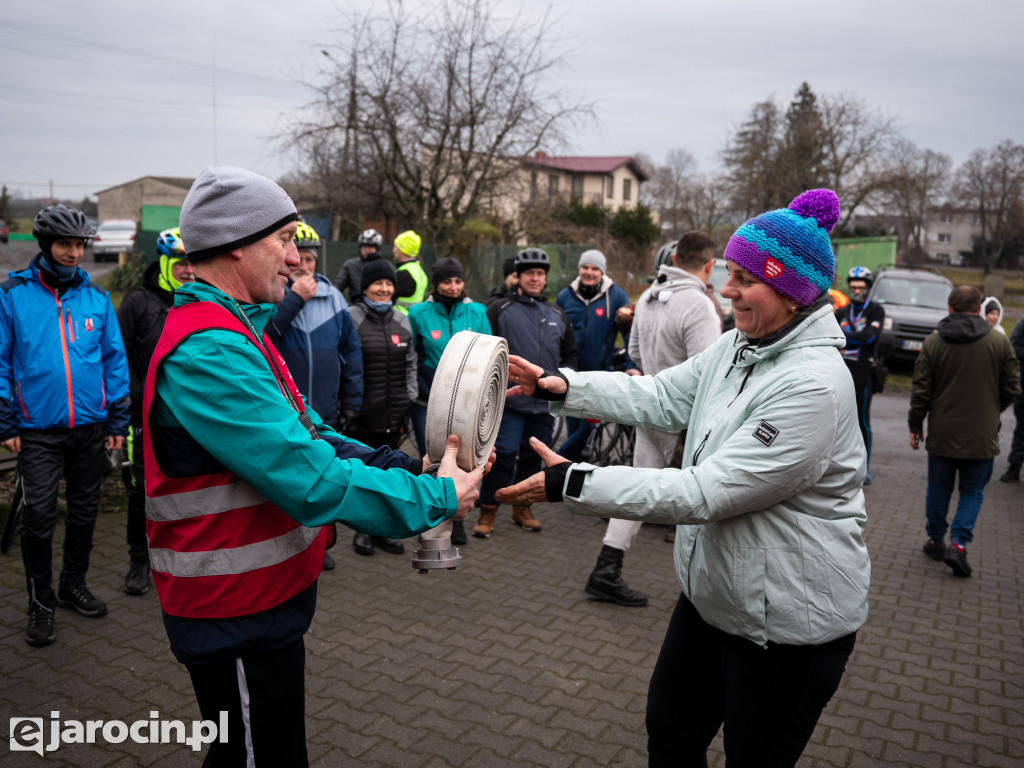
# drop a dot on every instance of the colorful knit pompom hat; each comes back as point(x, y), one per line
point(789, 248)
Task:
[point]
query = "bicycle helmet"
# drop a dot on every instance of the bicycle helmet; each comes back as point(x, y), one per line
point(664, 255)
point(306, 238)
point(860, 273)
point(371, 237)
point(57, 221)
point(532, 258)
point(168, 243)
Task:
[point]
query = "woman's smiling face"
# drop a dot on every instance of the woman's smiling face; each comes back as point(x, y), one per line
point(758, 308)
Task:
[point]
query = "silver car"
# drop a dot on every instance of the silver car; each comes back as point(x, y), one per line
point(113, 237)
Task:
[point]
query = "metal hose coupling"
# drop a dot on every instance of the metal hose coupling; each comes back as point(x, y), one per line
point(467, 399)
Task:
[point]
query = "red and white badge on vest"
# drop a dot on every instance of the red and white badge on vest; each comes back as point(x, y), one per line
point(396, 339)
point(88, 323)
point(599, 311)
point(435, 335)
point(773, 268)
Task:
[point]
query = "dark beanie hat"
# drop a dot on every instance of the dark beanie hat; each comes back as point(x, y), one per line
point(228, 208)
point(509, 266)
point(375, 270)
point(445, 268)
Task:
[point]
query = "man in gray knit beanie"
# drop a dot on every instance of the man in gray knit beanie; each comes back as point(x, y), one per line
point(244, 480)
point(228, 208)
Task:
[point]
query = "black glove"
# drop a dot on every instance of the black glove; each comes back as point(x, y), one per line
point(347, 420)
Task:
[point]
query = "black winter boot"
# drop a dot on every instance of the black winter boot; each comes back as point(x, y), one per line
point(605, 582)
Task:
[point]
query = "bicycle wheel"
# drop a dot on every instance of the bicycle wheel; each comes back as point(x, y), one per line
point(558, 434)
point(620, 445)
point(13, 522)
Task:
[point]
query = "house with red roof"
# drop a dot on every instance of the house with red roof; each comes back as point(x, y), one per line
point(611, 182)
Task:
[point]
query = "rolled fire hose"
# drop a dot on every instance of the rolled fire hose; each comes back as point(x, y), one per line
point(467, 398)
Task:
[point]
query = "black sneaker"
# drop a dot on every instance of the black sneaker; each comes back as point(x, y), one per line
point(137, 580)
point(936, 550)
point(1011, 475)
point(40, 625)
point(459, 533)
point(391, 546)
point(329, 564)
point(362, 545)
point(79, 597)
point(956, 558)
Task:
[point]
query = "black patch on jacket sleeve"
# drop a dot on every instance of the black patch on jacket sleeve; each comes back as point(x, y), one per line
point(766, 433)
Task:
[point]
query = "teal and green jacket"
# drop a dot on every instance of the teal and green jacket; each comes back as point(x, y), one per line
point(217, 386)
point(433, 326)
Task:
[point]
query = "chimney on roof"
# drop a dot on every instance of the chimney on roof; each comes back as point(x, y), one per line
point(539, 153)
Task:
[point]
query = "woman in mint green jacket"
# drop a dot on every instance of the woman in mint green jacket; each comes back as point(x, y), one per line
point(769, 506)
point(446, 311)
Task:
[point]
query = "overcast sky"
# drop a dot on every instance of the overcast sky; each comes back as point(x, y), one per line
point(95, 94)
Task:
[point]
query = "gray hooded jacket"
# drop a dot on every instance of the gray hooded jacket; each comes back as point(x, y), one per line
point(674, 320)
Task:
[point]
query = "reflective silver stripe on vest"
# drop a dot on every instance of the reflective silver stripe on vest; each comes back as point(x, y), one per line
point(225, 562)
point(208, 501)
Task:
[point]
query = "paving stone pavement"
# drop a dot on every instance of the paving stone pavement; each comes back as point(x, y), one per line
point(506, 664)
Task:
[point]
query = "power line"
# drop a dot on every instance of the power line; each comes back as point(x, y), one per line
point(160, 102)
point(147, 56)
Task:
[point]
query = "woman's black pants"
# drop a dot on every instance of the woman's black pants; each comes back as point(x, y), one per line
point(768, 699)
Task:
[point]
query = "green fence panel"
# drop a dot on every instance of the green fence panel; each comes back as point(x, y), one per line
point(160, 217)
point(862, 252)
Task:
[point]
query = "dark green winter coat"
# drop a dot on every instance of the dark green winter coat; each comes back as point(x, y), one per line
point(964, 377)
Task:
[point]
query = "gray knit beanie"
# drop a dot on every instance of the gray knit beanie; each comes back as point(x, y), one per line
point(595, 258)
point(228, 208)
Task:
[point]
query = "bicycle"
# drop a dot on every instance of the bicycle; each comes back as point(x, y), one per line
point(610, 445)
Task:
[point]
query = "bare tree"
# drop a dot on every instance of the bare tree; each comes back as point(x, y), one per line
point(856, 142)
point(992, 183)
point(914, 181)
point(667, 189)
point(428, 110)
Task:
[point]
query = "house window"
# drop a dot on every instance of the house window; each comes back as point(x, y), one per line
point(942, 256)
point(577, 187)
point(945, 218)
point(552, 183)
point(627, 190)
point(945, 237)
point(610, 185)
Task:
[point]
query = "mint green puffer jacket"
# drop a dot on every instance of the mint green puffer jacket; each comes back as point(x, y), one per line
point(769, 505)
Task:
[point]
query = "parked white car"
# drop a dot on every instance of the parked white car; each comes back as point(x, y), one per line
point(113, 236)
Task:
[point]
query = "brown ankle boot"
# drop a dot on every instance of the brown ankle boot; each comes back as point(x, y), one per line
point(484, 526)
point(523, 517)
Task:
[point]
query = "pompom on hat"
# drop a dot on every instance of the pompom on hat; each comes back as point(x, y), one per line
point(789, 248)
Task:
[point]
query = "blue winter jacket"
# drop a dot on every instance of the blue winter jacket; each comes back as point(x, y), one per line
point(537, 330)
point(593, 320)
point(62, 361)
point(321, 346)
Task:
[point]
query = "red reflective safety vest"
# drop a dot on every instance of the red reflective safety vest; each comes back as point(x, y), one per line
point(217, 548)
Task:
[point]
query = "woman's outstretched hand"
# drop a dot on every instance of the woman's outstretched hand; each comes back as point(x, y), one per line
point(527, 377)
point(531, 490)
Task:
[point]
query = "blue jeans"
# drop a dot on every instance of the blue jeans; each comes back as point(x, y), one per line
point(942, 472)
point(515, 458)
point(578, 430)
